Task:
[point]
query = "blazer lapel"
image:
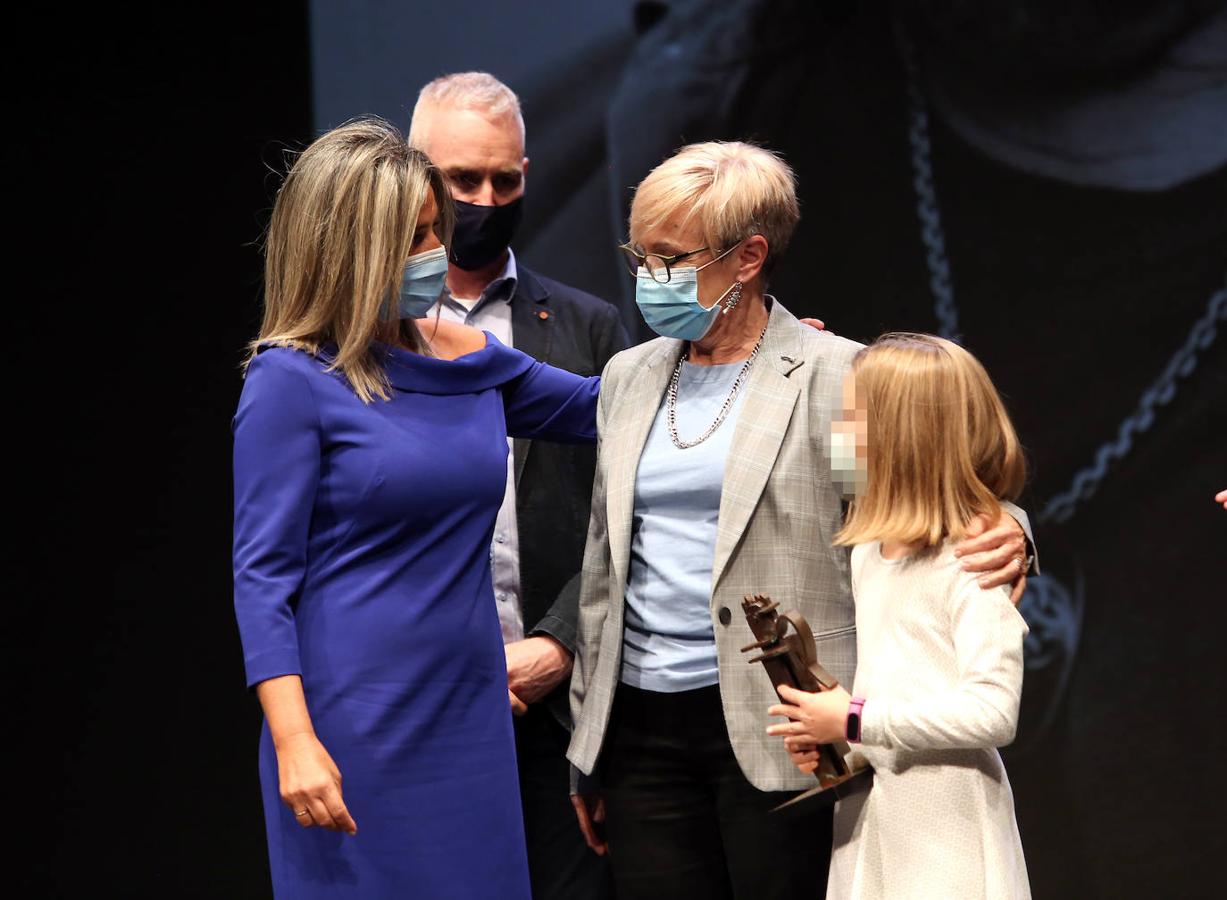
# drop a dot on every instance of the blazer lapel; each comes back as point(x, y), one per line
point(636, 410)
point(762, 422)
point(532, 331)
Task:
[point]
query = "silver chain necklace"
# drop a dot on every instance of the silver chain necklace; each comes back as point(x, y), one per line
point(671, 398)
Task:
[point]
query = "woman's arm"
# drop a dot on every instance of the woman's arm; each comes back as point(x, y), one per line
point(552, 404)
point(310, 783)
point(276, 474)
point(594, 579)
point(586, 797)
point(539, 400)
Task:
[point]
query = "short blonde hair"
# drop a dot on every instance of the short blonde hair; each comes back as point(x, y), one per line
point(479, 92)
point(942, 449)
point(734, 189)
point(341, 231)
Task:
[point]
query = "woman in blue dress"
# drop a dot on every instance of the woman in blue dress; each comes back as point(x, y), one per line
point(370, 459)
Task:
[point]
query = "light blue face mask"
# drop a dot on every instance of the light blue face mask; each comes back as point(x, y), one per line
point(672, 309)
point(420, 285)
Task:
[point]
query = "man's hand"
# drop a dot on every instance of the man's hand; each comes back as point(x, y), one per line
point(815, 323)
point(815, 718)
point(535, 666)
point(1221, 497)
point(999, 549)
point(590, 812)
point(518, 706)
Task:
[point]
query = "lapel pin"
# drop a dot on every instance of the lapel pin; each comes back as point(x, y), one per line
point(543, 314)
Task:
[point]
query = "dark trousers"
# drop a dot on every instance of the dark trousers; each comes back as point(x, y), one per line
point(683, 821)
point(560, 864)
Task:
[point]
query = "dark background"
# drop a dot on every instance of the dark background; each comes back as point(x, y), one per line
point(136, 743)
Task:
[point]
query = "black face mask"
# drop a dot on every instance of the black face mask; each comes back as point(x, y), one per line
point(483, 232)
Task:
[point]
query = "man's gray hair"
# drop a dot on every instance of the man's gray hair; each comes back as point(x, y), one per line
point(480, 92)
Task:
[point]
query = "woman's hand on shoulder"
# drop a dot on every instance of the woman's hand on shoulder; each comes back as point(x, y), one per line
point(997, 552)
point(450, 340)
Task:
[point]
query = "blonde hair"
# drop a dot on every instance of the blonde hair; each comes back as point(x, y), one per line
point(941, 446)
point(734, 189)
point(478, 92)
point(341, 231)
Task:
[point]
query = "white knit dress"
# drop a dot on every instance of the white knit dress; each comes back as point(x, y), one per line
point(939, 664)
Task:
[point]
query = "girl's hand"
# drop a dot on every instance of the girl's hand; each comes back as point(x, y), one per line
point(311, 784)
point(816, 718)
point(803, 754)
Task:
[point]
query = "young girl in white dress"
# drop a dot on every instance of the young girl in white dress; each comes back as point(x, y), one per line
point(939, 659)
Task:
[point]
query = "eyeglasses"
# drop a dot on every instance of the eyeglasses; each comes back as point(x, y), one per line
point(658, 266)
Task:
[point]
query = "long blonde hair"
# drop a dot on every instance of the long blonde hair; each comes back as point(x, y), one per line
point(341, 230)
point(940, 443)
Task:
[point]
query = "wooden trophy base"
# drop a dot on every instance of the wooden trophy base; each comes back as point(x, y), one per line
point(834, 789)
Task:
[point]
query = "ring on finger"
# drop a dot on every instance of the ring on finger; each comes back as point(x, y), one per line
point(302, 812)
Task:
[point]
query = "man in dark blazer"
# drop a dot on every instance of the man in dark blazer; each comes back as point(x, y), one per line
point(471, 127)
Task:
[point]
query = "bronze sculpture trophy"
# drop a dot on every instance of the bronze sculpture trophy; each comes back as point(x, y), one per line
point(790, 657)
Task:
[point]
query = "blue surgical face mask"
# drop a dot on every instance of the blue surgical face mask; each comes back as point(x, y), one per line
point(421, 284)
point(672, 309)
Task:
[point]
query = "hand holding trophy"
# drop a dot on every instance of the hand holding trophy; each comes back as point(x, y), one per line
point(790, 658)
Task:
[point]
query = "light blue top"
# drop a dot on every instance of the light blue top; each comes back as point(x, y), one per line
point(669, 642)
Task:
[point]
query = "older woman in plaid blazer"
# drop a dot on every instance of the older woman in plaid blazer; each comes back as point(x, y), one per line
point(713, 481)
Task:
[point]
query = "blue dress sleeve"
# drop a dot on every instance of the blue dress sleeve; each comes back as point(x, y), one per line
point(543, 402)
point(276, 474)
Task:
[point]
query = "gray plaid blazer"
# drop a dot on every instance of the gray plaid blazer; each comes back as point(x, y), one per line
point(778, 515)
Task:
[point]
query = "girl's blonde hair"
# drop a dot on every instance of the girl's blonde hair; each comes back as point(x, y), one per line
point(734, 189)
point(940, 443)
point(341, 231)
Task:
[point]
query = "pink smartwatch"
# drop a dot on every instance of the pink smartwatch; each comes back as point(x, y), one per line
point(853, 729)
